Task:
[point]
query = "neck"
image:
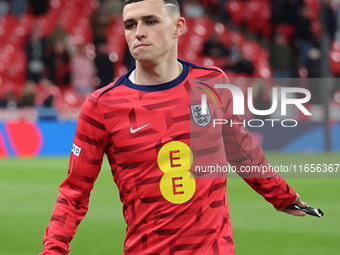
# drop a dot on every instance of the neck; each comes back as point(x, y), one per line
point(153, 74)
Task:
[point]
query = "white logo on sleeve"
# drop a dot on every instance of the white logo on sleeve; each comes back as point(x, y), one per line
point(76, 150)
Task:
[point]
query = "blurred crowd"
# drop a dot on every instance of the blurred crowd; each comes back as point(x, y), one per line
point(71, 48)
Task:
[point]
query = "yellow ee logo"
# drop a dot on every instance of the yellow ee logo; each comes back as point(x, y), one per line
point(175, 160)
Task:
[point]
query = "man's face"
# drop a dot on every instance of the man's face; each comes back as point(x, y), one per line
point(149, 30)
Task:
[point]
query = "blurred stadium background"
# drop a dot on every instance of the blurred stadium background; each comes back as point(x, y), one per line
point(54, 53)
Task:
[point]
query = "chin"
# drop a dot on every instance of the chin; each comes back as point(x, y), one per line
point(145, 59)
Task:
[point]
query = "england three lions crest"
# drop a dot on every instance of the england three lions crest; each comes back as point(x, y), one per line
point(200, 119)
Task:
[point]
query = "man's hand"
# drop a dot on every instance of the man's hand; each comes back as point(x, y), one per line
point(293, 211)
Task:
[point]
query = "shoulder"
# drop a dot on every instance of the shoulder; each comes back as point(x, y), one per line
point(108, 88)
point(204, 71)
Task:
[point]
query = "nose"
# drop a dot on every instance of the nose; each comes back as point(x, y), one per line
point(140, 31)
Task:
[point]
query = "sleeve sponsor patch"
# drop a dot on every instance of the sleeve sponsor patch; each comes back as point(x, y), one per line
point(76, 150)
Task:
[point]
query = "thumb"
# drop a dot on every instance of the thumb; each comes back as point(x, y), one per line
point(298, 201)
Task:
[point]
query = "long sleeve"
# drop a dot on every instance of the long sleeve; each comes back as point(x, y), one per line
point(84, 167)
point(243, 151)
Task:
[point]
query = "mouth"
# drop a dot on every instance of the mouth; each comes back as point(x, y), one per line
point(142, 45)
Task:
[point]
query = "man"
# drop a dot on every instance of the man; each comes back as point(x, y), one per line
point(142, 122)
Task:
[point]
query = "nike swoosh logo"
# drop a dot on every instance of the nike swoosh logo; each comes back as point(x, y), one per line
point(132, 130)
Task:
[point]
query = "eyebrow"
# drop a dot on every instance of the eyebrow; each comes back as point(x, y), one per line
point(143, 18)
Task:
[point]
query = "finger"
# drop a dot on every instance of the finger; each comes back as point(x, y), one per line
point(301, 204)
point(294, 212)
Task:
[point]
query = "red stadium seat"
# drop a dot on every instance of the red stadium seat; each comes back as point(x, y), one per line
point(334, 61)
point(237, 38)
point(251, 50)
point(76, 18)
point(257, 16)
point(192, 41)
point(334, 58)
point(315, 7)
point(259, 57)
point(335, 46)
point(7, 25)
point(26, 21)
point(236, 11)
point(223, 34)
point(204, 27)
point(71, 98)
point(17, 72)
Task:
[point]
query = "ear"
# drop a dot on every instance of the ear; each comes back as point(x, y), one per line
point(180, 27)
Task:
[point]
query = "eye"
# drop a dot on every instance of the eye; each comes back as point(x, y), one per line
point(151, 22)
point(129, 26)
